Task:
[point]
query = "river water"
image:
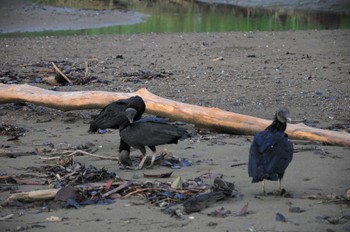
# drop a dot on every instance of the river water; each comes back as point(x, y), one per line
point(194, 16)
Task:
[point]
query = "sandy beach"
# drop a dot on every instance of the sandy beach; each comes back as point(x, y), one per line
point(307, 71)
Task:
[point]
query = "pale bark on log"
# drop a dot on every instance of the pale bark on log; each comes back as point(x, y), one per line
point(45, 194)
point(212, 118)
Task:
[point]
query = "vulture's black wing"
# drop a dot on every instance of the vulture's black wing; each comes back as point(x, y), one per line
point(152, 131)
point(269, 155)
point(113, 115)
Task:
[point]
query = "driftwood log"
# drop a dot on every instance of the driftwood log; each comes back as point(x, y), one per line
point(45, 194)
point(212, 118)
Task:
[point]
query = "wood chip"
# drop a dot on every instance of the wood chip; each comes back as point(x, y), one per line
point(218, 58)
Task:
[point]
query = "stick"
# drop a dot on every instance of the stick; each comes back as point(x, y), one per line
point(18, 181)
point(212, 118)
point(140, 191)
point(86, 70)
point(239, 164)
point(93, 155)
point(123, 185)
point(6, 217)
point(14, 154)
point(61, 73)
point(37, 195)
point(81, 152)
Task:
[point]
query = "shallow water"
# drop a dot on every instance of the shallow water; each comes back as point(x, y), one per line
point(190, 16)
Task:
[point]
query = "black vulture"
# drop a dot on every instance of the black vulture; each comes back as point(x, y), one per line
point(150, 132)
point(113, 115)
point(271, 151)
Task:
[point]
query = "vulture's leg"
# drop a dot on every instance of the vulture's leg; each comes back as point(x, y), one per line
point(263, 187)
point(153, 148)
point(153, 158)
point(124, 158)
point(144, 157)
point(280, 184)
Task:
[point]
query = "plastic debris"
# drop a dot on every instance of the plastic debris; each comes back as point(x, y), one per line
point(243, 211)
point(161, 175)
point(177, 183)
point(280, 217)
point(54, 219)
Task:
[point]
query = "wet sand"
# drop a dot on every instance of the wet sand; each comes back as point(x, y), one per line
point(22, 16)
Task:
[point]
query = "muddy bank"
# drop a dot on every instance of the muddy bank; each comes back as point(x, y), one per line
point(326, 5)
point(23, 16)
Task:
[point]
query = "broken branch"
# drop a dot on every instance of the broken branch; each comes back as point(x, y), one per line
point(92, 155)
point(140, 191)
point(61, 73)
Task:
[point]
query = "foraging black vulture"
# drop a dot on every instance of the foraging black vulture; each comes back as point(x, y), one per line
point(151, 132)
point(113, 115)
point(271, 151)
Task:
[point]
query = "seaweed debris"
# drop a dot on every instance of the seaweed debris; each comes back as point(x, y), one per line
point(75, 185)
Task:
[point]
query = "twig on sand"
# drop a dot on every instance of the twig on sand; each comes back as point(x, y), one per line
point(123, 185)
point(61, 73)
point(93, 155)
point(6, 217)
point(140, 191)
point(239, 164)
point(80, 152)
point(326, 198)
point(86, 70)
point(14, 154)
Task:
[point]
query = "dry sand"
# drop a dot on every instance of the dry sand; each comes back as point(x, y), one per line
point(308, 71)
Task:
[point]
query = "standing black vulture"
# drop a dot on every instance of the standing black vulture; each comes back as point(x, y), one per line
point(151, 132)
point(271, 151)
point(113, 115)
